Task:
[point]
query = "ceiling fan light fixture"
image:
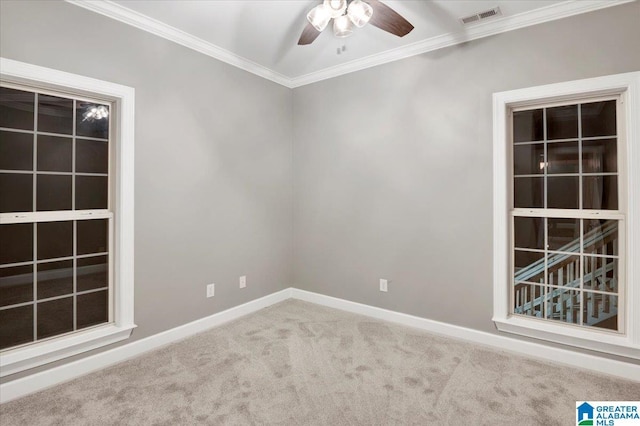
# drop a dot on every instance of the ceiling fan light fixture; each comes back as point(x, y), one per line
point(359, 13)
point(319, 17)
point(335, 7)
point(342, 26)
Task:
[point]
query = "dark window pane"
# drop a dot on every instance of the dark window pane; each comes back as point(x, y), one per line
point(55, 279)
point(601, 237)
point(528, 192)
point(16, 285)
point(16, 109)
point(564, 234)
point(16, 192)
point(600, 310)
point(92, 273)
point(55, 115)
point(16, 326)
point(527, 126)
point(55, 317)
point(563, 305)
point(529, 300)
point(562, 157)
point(601, 273)
point(562, 122)
point(91, 120)
point(55, 239)
point(16, 151)
point(528, 159)
point(529, 266)
point(92, 236)
point(563, 270)
point(599, 119)
point(53, 192)
point(562, 192)
point(17, 243)
point(600, 192)
point(92, 309)
point(54, 154)
point(600, 156)
point(92, 192)
point(529, 232)
point(92, 156)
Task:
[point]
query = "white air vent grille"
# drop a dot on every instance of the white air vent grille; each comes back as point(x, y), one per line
point(480, 16)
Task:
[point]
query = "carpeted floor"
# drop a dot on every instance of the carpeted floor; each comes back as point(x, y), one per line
point(297, 363)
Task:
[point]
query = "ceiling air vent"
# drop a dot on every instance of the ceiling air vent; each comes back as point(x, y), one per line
point(480, 16)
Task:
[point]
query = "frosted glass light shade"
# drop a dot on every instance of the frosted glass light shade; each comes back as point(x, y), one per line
point(342, 26)
point(319, 17)
point(336, 7)
point(360, 13)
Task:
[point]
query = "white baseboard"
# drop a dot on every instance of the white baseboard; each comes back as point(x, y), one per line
point(54, 376)
point(598, 364)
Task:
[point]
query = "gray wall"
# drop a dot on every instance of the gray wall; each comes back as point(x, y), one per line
point(393, 164)
point(213, 168)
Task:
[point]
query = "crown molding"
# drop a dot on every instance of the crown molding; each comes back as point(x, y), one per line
point(153, 26)
point(473, 32)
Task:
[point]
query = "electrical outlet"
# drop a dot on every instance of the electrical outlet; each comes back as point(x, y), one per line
point(211, 290)
point(243, 281)
point(383, 285)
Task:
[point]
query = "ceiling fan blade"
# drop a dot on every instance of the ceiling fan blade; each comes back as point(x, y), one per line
point(309, 34)
point(388, 19)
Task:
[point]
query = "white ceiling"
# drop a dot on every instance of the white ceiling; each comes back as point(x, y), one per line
point(261, 35)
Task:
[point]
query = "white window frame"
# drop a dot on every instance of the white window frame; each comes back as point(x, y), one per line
point(626, 85)
point(123, 98)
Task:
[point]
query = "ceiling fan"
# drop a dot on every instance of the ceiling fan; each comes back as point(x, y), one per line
point(349, 13)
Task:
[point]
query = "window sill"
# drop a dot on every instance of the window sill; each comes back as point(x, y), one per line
point(19, 359)
point(595, 340)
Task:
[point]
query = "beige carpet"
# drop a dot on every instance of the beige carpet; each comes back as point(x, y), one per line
point(297, 363)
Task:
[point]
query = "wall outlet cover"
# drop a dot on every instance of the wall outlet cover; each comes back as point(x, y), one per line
point(211, 290)
point(243, 281)
point(384, 285)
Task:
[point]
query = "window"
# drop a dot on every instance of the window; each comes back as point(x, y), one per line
point(55, 274)
point(564, 232)
point(566, 214)
point(66, 210)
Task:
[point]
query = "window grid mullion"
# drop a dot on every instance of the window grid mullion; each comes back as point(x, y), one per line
point(34, 209)
point(546, 159)
point(73, 159)
point(546, 262)
point(75, 222)
point(35, 281)
point(64, 296)
point(59, 135)
point(81, 256)
point(581, 207)
point(17, 305)
point(580, 170)
point(74, 273)
point(537, 175)
point(31, 172)
point(581, 272)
